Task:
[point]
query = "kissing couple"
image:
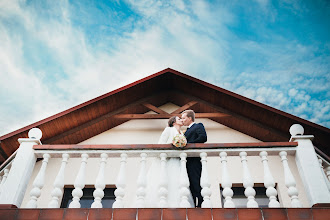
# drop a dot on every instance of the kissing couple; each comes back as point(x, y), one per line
point(195, 133)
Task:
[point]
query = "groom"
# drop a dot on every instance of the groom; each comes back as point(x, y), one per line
point(195, 134)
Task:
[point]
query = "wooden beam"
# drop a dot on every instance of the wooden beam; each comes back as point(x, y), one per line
point(185, 107)
point(166, 116)
point(241, 117)
point(155, 109)
point(96, 120)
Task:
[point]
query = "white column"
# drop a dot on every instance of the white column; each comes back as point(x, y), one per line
point(100, 183)
point(141, 183)
point(184, 182)
point(57, 192)
point(163, 182)
point(227, 192)
point(290, 182)
point(205, 183)
point(248, 183)
point(269, 182)
point(38, 183)
point(79, 183)
point(121, 183)
point(13, 190)
point(309, 168)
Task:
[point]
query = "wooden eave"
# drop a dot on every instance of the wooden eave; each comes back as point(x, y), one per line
point(103, 113)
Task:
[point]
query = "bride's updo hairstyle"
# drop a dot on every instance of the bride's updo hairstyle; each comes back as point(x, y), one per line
point(171, 121)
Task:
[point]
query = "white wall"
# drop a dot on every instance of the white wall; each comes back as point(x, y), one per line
point(148, 132)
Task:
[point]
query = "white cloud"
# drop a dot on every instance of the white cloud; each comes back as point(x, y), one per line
point(191, 37)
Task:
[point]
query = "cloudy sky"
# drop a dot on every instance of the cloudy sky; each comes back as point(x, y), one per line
point(57, 54)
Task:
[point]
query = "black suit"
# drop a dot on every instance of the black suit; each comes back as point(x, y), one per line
point(195, 134)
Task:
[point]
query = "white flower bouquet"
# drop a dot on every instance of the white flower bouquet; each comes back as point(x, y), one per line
point(179, 141)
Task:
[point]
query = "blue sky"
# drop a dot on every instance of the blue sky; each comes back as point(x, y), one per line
point(57, 54)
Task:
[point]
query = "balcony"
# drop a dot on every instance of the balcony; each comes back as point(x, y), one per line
point(291, 173)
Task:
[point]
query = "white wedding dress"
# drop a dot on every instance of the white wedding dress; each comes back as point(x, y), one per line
point(173, 168)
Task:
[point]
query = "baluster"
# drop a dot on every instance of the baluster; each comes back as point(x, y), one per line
point(328, 172)
point(269, 182)
point(38, 183)
point(57, 192)
point(4, 178)
point(324, 175)
point(100, 183)
point(205, 183)
point(248, 183)
point(184, 182)
point(226, 183)
point(142, 182)
point(79, 183)
point(163, 182)
point(290, 182)
point(121, 183)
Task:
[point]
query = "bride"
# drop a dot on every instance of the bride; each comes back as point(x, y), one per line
point(173, 167)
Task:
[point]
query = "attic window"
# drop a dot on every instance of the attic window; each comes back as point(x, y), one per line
point(87, 199)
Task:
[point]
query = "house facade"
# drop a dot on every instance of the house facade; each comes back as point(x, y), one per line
point(95, 157)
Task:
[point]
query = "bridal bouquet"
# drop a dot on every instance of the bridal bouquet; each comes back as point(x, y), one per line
point(179, 141)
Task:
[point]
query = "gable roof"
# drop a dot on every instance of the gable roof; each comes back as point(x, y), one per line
point(98, 115)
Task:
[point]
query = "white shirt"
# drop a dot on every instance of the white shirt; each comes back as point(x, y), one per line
point(191, 124)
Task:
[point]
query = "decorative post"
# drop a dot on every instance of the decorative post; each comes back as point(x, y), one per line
point(38, 183)
point(309, 167)
point(184, 182)
point(163, 182)
point(142, 182)
point(13, 190)
point(57, 192)
point(248, 183)
point(269, 182)
point(227, 192)
point(79, 183)
point(290, 182)
point(121, 183)
point(205, 183)
point(100, 183)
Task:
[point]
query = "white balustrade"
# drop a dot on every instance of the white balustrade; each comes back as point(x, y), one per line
point(269, 182)
point(248, 183)
point(57, 192)
point(79, 183)
point(184, 182)
point(163, 182)
point(121, 183)
point(324, 175)
point(4, 178)
point(327, 170)
point(141, 183)
point(38, 183)
point(227, 192)
point(290, 182)
point(205, 183)
point(100, 183)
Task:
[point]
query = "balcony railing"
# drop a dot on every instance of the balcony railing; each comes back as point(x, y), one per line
point(300, 152)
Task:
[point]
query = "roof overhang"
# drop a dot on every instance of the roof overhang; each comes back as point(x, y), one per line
point(100, 114)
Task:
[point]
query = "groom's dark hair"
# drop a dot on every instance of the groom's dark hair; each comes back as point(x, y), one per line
point(171, 121)
point(190, 114)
